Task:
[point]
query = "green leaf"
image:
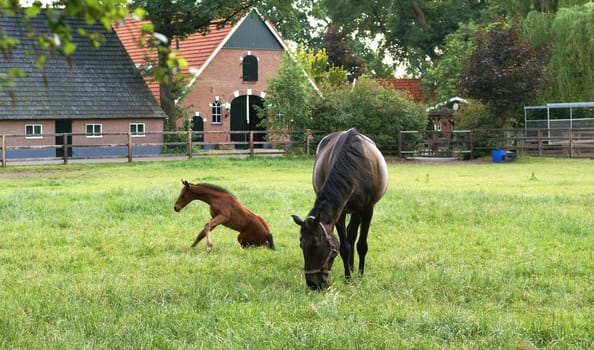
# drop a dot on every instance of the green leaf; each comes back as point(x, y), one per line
point(69, 48)
point(32, 11)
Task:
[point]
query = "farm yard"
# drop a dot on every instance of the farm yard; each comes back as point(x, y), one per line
point(461, 255)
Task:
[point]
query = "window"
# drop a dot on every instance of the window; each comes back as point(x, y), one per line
point(94, 130)
point(216, 112)
point(137, 129)
point(33, 131)
point(250, 68)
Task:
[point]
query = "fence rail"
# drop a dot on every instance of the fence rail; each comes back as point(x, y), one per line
point(20, 149)
point(464, 144)
point(551, 142)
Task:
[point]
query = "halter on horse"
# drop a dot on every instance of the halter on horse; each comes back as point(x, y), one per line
point(225, 210)
point(350, 175)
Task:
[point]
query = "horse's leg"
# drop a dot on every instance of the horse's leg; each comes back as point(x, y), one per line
point(352, 236)
point(345, 247)
point(214, 222)
point(362, 243)
point(205, 231)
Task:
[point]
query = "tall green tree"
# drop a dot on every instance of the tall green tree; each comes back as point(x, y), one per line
point(413, 31)
point(442, 78)
point(288, 97)
point(568, 34)
point(175, 20)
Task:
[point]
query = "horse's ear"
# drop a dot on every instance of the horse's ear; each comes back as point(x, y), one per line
point(297, 220)
point(185, 183)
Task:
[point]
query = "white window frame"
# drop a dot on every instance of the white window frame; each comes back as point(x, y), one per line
point(94, 133)
point(34, 135)
point(217, 112)
point(135, 132)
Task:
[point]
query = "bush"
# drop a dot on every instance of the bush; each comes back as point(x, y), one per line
point(370, 108)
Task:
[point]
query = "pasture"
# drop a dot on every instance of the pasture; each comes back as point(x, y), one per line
point(473, 255)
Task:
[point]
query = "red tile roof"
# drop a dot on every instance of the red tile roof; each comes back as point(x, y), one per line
point(410, 86)
point(195, 49)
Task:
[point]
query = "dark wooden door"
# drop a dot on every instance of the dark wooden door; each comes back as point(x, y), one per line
point(63, 126)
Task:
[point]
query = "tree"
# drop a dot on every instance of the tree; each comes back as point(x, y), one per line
point(413, 31)
point(339, 51)
point(287, 97)
point(175, 20)
point(442, 78)
point(503, 71)
point(569, 35)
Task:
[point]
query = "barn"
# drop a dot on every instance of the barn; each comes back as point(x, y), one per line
point(94, 98)
point(229, 68)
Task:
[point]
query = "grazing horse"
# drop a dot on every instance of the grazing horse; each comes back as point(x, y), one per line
point(349, 176)
point(225, 210)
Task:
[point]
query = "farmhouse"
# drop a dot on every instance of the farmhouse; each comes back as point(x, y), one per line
point(229, 68)
point(96, 98)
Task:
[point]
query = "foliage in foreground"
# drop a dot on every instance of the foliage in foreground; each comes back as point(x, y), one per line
point(477, 255)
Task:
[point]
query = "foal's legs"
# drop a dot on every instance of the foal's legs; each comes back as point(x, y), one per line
point(214, 222)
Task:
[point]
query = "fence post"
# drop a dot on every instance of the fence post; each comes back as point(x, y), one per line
point(570, 137)
point(190, 144)
point(251, 143)
point(471, 143)
point(3, 151)
point(65, 147)
point(129, 147)
point(400, 142)
point(539, 140)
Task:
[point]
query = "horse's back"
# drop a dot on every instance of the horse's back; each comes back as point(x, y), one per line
point(373, 161)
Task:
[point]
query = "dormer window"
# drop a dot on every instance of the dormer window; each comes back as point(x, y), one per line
point(250, 68)
point(216, 112)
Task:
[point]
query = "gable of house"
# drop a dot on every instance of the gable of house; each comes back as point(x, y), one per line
point(96, 83)
point(253, 34)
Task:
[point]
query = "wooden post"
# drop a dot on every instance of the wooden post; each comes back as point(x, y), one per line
point(190, 144)
point(65, 147)
point(539, 140)
point(471, 143)
point(251, 143)
point(3, 151)
point(570, 136)
point(400, 143)
point(129, 147)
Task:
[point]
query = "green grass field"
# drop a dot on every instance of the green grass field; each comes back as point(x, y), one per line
point(475, 255)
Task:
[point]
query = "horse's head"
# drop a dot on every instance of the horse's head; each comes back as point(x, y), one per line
point(184, 197)
point(319, 250)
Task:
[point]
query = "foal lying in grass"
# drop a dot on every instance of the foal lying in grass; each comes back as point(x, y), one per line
point(225, 210)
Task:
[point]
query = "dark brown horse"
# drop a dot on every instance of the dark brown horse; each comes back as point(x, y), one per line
point(225, 210)
point(349, 176)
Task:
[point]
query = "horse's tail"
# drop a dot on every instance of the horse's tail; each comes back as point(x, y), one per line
point(270, 241)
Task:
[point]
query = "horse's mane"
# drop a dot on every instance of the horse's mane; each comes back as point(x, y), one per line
point(346, 173)
point(215, 188)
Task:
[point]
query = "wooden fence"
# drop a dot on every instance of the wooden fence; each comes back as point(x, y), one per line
point(468, 144)
point(181, 144)
point(464, 144)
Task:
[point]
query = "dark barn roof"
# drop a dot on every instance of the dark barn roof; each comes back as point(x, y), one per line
point(98, 83)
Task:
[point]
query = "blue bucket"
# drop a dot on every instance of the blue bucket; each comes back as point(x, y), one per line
point(498, 155)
